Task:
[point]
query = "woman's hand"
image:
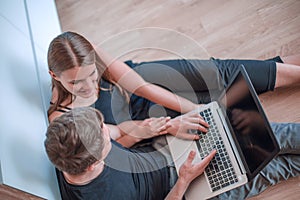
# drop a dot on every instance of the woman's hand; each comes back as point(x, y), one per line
point(154, 126)
point(180, 125)
point(147, 128)
point(132, 132)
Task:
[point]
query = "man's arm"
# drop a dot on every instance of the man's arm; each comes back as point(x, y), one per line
point(187, 173)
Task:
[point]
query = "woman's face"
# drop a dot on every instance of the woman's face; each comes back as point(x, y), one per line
point(80, 81)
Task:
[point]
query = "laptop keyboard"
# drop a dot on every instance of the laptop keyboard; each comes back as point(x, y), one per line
point(220, 171)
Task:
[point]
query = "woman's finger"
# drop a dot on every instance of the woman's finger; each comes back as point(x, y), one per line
point(198, 120)
point(195, 126)
point(187, 136)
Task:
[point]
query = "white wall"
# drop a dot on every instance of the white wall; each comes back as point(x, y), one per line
point(27, 27)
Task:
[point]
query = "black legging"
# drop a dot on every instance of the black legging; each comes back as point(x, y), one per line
point(206, 74)
point(181, 76)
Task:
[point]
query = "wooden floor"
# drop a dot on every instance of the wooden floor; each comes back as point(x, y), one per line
point(156, 29)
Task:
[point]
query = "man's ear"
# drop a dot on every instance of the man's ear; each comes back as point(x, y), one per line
point(92, 166)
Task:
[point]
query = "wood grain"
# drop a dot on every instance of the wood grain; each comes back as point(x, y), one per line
point(9, 193)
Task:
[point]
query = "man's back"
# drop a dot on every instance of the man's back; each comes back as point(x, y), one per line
point(128, 174)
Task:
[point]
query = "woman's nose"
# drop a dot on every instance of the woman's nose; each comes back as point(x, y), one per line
point(88, 83)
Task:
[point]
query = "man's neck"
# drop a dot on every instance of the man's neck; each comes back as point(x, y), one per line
point(86, 177)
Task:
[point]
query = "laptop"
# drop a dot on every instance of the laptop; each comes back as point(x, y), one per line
point(241, 134)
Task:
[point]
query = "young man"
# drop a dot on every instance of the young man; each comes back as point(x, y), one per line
point(90, 165)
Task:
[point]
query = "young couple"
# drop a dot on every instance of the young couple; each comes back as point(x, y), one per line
point(84, 76)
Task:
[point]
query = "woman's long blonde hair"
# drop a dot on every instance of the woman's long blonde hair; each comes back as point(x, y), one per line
point(69, 50)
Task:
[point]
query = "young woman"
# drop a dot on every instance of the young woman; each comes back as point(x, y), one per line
point(84, 76)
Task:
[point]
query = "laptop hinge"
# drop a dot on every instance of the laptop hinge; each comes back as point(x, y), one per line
point(231, 140)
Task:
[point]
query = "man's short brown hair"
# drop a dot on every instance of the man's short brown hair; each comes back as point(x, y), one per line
point(74, 140)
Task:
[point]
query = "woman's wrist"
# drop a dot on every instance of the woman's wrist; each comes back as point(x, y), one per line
point(193, 107)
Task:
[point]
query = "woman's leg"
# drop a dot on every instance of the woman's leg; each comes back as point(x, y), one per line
point(261, 73)
point(208, 75)
point(265, 75)
point(293, 59)
point(287, 74)
point(287, 70)
point(197, 80)
point(181, 75)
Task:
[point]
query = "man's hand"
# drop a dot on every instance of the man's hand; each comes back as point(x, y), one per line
point(187, 173)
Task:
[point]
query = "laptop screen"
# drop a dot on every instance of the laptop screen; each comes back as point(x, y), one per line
point(249, 125)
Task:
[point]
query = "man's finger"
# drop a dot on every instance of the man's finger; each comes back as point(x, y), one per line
point(208, 158)
point(190, 157)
